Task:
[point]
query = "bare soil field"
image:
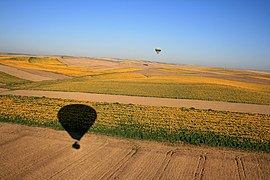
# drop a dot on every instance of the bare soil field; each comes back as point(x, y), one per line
point(150, 101)
point(32, 75)
point(43, 153)
point(104, 64)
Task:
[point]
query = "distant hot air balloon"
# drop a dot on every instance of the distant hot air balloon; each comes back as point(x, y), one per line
point(157, 50)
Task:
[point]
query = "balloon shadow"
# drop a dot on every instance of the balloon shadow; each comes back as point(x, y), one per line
point(77, 119)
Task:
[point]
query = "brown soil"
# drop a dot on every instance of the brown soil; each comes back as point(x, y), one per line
point(103, 64)
point(43, 153)
point(47, 74)
point(150, 101)
point(32, 75)
point(3, 89)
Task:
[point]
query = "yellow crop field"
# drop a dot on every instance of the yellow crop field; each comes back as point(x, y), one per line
point(211, 69)
point(117, 70)
point(46, 64)
point(52, 64)
point(209, 80)
point(182, 87)
point(192, 125)
point(174, 70)
point(121, 76)
point(261, 77)
point(187, 80)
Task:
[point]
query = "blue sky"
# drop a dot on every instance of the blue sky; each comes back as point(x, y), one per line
point(223, 33)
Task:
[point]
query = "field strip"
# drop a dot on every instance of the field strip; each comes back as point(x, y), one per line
point(22, 74)
point(44, 153)
point(150, 101)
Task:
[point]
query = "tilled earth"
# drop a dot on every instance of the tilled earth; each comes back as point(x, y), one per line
point(43, 153)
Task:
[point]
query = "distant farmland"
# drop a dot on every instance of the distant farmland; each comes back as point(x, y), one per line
point(154, 80)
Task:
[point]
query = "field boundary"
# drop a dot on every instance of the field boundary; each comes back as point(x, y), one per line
point(149, 101)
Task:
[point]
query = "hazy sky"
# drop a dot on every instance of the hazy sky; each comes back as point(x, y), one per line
point(225, 33)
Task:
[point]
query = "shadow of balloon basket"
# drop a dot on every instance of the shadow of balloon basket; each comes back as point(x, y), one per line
point(77, 119)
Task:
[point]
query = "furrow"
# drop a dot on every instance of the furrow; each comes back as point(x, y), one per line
point(7, 141)
point(23, 162)
point(200, 167)
point(115, 170)
point(164, 165)
point(241, 169)
point(75, 163)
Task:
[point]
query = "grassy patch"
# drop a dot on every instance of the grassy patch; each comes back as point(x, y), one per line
point(44, 60)
point(215, 128)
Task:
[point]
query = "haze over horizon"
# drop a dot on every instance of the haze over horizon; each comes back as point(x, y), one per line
point(230, 34)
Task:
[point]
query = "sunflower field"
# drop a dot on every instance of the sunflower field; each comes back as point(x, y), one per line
point(215, 128)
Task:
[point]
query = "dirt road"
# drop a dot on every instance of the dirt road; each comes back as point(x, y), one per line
point(188, 103)
point(43, 153)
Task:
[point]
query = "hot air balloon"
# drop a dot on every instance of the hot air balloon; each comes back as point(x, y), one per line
point(157, 50)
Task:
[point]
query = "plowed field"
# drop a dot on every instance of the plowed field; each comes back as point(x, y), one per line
point(43, 153)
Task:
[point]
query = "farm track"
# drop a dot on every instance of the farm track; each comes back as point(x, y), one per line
point(150, 101)
point(44, 153)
